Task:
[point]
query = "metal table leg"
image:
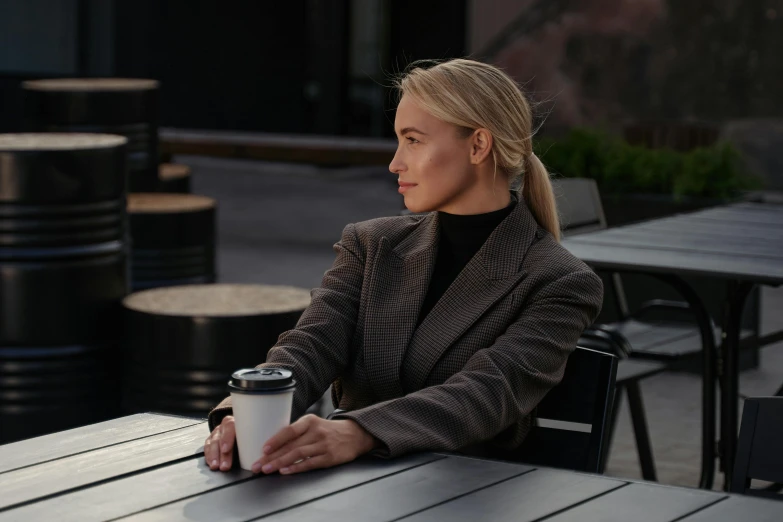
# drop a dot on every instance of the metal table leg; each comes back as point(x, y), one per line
point(732, 323)
point(709, 375)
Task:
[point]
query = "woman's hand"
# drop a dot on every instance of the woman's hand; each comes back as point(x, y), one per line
point(313, 442)
point(219, 446)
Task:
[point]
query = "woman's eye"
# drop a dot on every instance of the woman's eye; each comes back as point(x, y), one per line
point(412, 140)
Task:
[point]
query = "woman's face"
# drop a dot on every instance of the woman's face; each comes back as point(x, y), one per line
point(432, 162)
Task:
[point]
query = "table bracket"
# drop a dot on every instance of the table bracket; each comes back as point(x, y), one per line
point(738, 292)
point(710, 363)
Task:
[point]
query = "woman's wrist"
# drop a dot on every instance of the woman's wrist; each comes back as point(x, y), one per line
point(367, 442)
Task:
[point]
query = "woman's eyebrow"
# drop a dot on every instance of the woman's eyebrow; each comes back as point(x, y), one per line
point(406, 130)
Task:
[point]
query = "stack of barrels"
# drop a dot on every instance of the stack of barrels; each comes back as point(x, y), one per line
point(129, 107)
point(88, 214)
point(63, 273)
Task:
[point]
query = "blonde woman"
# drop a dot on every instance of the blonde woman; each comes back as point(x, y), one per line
point(440, 331)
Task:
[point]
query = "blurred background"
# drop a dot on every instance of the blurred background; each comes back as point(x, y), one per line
point(284, 114)
point(321, 66)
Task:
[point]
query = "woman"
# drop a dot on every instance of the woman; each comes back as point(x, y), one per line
point(440, 331)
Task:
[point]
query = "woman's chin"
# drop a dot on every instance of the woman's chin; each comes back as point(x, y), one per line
point(412, 204)
point(416, 209)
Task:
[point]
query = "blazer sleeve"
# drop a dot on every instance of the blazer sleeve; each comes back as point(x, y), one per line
point(499, 385)
point(318, 348)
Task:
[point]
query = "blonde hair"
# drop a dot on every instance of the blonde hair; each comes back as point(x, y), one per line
point(473, 95)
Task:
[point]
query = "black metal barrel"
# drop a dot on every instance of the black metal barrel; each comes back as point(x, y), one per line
point(173, 239)
point(63, 259)
point(63, 272)
point(174, 178)
point(128, 107)
point(47, 389)
point(183, 343)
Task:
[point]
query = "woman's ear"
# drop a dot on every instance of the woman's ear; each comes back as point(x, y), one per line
point(480, 146)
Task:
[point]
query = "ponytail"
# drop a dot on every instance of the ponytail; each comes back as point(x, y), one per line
point(540, 197)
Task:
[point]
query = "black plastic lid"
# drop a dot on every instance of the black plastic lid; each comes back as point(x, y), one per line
point(261, 380)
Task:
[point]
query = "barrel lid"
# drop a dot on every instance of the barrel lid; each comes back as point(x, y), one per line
point(259, 380)
point(46, 141)
point(219, 300)
point(91, 84)
point(163, 203)
point(168, 171)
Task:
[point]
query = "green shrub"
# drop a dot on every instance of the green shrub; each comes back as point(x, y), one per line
point(620, 168)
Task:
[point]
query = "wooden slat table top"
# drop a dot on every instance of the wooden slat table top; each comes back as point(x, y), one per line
point(275, 494)
point(525, 498)
point(742, 241)
point(90, 467)
point(739, 509)
point(159, 477)
point(88, 438)
point(641, 503)
point(679, 240)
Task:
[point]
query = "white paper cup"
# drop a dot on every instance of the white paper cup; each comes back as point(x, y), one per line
point(261, 401)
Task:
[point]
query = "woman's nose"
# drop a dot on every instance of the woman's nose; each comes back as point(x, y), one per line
point(396, 166)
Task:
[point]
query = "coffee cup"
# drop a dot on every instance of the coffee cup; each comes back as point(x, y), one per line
point(261, 399)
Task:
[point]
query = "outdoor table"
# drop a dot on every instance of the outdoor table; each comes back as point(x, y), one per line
point(741, 244)
point(151, 467)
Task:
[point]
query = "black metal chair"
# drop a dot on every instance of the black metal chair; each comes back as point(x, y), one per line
point(759, 454)
point(571, 421)
point(579, 205)
point(629, 374)
point(660, 330)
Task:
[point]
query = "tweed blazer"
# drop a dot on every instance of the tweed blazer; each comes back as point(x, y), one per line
point(480, 361)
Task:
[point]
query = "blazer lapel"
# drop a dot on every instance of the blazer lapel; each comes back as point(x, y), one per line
point(490, 275)
point(399, 283)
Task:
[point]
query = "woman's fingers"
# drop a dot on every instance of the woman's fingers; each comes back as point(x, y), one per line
point(219, 446)
point(295, 454)
point(212, 449)
point(321, 461)
point(289, 433)
point(312, 443)
point(305, 440)
point(226, 440)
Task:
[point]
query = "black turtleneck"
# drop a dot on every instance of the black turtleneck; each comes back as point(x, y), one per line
point(460, 238)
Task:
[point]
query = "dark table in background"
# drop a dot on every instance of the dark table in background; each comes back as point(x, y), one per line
point(741, 244)
point(291, 148)
point(151, 467)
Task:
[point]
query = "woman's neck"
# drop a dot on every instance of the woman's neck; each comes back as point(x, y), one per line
point(470, 231)
point(481, 203)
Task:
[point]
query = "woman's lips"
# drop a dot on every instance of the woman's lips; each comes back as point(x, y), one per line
point(404, 187)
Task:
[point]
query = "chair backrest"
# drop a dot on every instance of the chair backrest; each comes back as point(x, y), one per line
point(579, 205)
point(580, 210)
point(760, 445)
point(572, 421)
